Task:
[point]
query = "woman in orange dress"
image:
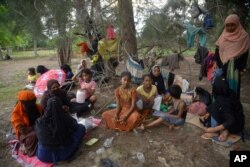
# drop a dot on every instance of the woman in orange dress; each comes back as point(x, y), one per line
point(23, 119)
point(125, 117)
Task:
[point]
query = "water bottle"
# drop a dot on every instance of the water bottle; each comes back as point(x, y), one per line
point(80, 96)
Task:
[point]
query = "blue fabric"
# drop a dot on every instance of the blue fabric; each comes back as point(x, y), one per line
point(54, 155)
point(168, 118)
point(192, 31)
point(216, 73)
point(214, 123)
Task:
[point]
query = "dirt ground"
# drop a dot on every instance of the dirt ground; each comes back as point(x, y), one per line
point(160, 147)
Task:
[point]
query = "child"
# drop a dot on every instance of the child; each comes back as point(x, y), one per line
point(82, 65)
point(125, 117)
point(87, 84)
point(32, 77)
point(148, 96)
point(176, 115)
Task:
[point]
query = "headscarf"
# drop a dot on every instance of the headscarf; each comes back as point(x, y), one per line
point(233, 44)
point(51, 82)
point(26, 111)
point(55, 127)
point(158, 81)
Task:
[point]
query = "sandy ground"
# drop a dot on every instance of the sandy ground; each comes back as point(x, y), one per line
point(160, 147)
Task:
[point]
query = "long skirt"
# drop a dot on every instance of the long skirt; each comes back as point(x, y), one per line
point(46, 154)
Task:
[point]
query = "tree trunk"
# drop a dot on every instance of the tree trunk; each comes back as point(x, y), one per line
point(64, 51)
point(127, 27)
point(35, 47)
point(1, 54)
point(81, 13)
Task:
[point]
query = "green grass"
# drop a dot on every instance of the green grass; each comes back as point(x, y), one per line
point(30, 54)
point(8, 92)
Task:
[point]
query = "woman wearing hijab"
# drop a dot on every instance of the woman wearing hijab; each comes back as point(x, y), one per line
point(23, 119)
point(54, 90)
point(59, 135)
point(226, 111)
point(232, 51)
point(158, 80)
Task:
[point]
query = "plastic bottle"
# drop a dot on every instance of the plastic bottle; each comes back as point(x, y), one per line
point(80, 96)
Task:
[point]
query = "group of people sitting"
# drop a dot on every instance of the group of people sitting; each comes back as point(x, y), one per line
point(50, 132)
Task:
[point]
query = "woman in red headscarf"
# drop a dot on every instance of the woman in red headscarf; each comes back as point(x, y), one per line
point(232, 51)
point(23, 119)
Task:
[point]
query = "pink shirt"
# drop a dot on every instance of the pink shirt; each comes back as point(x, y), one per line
point(87, 85)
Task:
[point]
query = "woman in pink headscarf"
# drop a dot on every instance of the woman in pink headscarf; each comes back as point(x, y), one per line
point(232, 51)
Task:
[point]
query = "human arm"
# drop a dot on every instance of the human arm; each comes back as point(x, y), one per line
point(181, 109)
point(119, 107)
point(76, 76)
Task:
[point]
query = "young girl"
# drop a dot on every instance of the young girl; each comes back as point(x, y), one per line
point(125, 117)
point(176, 115)
point(32, 77)
point(148, 96)
point(87, 84)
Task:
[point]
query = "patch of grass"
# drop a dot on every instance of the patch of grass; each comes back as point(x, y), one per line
point(30, 54)
point(8, 92)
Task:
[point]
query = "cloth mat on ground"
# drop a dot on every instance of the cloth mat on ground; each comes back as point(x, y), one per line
point(232, 138)
point(25, 160)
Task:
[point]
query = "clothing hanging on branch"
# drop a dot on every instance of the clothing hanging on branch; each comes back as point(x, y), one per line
point(192, 31)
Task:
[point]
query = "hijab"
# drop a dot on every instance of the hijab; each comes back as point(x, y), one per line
point(55, 127)
point(26, 110)
point(233, 44)
point(158, 81)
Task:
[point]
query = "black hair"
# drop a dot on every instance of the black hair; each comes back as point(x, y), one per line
point(32, 70)
point(86, 71)
point(126, 74)
point(146, 75)
point(175, 91)
point(41, 69)
point(66, 68)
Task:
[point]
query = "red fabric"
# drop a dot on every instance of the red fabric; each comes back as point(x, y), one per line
point(84, 47)
point(210, 67)
point(110, 32)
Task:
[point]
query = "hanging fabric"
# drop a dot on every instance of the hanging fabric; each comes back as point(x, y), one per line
point(110, 32)
point(192, 31)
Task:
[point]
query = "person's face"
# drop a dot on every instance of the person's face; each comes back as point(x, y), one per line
point(55, 86)
point(86, 77)
point(125, 81)
point(156, 71)
point(230, 27)
point(83, 63)
point(147, 82)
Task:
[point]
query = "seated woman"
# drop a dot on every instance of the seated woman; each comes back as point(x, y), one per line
point(226, 111)
point(54, 90)
point(23, 119)
point(158, 80)
point(176, 115)
point(82, 65)
point(125, 117)
point(148, 96)
point(67, 69)
point(59, 135)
